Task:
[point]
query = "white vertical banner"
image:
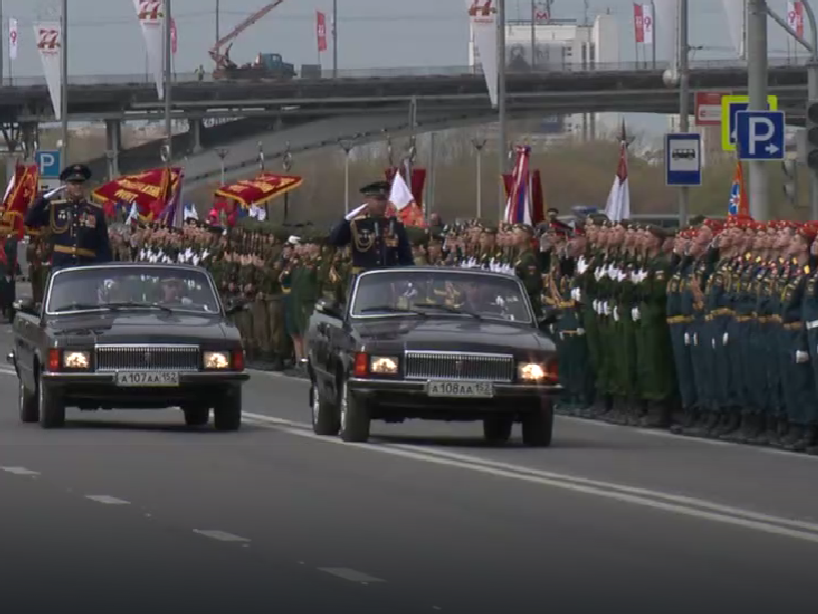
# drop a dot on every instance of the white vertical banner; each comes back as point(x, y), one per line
point(665, 31)
point(13, 38)
point(151, 15)
point(49, 45)
point(647, 24)
point(735, 11)
point(795, 17)
point(483, 19)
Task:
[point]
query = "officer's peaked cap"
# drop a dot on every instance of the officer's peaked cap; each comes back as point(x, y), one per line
point(76, 172)
point(376, 189)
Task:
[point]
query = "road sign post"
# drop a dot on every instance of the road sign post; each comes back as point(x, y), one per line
point(730, 107)
point(683, 159)
point(761, 135)
point(49, 163)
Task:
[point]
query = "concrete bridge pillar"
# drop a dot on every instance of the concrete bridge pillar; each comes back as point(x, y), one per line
point(113, 137)
point(196, 127)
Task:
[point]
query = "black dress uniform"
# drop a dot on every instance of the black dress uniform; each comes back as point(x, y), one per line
point(376, 241)
point(78, 230)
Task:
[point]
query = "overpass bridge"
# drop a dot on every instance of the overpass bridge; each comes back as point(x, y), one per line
point(457, 93)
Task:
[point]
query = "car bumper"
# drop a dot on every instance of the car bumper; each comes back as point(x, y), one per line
point(95, 390)
point(396, 398)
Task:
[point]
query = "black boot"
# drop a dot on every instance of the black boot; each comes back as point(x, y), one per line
point(767, 429)
point(795, 434)
point(658, 416)
point(688, 419)
point(807, 441)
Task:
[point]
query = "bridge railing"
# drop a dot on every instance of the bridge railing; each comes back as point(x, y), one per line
point(418, 71)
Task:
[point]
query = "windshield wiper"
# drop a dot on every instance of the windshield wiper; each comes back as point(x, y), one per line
point(79, 307)
point(126, 304)
point(390, 309)
point(450, 309)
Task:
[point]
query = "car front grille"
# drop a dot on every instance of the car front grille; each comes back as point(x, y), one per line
point(459, 366)
point(146, 357)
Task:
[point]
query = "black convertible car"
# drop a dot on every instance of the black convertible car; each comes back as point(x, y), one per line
point(436, 344)
point(128, 335)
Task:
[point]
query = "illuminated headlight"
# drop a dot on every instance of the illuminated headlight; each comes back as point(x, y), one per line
point(216, 360)
point(76, 360)
point(383, 364)
point(531, 372)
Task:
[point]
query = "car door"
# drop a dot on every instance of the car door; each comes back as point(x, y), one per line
point(25, 339)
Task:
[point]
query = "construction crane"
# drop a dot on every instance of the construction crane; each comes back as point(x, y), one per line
point(265, 63)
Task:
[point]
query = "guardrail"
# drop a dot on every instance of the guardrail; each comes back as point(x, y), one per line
point(421, 71)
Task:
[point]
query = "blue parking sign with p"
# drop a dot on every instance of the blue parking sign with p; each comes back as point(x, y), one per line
point(49, 163)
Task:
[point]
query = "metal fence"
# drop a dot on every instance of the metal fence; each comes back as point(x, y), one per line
point(420, 71)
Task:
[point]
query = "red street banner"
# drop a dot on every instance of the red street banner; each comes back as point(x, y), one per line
point(149, 191)
point(173, 36)
point(321, 30)
point(20, 193)
point(263, 188)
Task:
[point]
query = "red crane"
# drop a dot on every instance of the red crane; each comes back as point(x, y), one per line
point(223, 59)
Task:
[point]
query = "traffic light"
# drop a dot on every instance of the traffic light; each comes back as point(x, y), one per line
point(812, 135)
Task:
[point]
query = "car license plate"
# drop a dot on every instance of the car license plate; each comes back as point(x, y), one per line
point(147, 378)
point(458, 389)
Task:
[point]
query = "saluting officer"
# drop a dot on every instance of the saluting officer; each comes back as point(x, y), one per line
point(376, 240)
point(79, 233)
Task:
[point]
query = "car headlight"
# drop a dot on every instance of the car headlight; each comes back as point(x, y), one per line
point(76, 360)
point(383, 364)
point(216, 360)
point(531, 371)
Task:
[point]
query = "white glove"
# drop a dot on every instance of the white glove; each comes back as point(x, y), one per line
point(616, 313)
point(596, 306)
point(579, 296)
point(696, 339)
point(635, 315)
point(687, 338)
point(801, 357)
point(724, 338)
point(580, 331)
point(713, 343)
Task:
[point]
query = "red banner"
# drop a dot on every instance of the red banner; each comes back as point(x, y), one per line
point(259, 190)
point(174, 45)
point(321, 30)
point(20, 193)
point(638, 23)
point(149, 191)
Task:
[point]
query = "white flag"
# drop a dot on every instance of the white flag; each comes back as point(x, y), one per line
point(483, 20)
point(13, 38)
point(647, 24)
point(151, 14)
point(50, 48)
point(618, 206)
point(400, 195)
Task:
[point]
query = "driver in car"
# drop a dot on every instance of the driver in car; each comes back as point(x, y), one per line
point(173, 292)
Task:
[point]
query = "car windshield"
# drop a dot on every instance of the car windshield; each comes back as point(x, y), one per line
point(442, 293)
point(126, 287)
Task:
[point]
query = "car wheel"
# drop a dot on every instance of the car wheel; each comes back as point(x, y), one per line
point(27, 404)
point(227, 413)
point(497, 429)
point(538, 426)
point(324, 416)
point(196, 416)
point(50, 407)
point(354, 418)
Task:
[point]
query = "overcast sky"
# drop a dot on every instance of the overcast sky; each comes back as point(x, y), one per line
point(105, 37)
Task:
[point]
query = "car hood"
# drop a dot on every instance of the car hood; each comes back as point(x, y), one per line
point(137, 327)
point(451, 334)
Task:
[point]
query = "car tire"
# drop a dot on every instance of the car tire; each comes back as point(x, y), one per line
point(354, 418)
point(50, 407)
point(538, 426)
point(497, 429)
point(325, 419)
point(27, 404)
point(227, 412)
point(196, 416)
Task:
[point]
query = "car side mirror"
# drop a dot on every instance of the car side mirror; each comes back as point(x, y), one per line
point(25, 305)
point(329, 308)
point(235, 306)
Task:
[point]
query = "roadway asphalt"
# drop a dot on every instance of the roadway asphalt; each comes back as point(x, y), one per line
point(131, 510)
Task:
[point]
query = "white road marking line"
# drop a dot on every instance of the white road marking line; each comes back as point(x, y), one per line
point(107, 500)
point(19, 471)
point(688, 506)
point(221, 536)
point(350, 574)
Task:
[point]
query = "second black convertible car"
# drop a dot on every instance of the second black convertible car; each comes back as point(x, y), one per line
point(432, 343)
point(128, 336)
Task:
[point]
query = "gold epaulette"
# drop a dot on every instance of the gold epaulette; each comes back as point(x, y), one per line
point(362, 216)
point(61, 201)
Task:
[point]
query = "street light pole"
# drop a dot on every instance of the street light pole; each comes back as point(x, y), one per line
point(334, 39)
point(478, 146)
point(501, 103)
point(222, 153)
point(64, 82)
point(346, 145)
point(757, 89)
point(684, 96)
point(168, 73)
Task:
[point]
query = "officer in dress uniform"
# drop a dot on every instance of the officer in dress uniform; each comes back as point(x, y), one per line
point(376, 240)
point(79, 233)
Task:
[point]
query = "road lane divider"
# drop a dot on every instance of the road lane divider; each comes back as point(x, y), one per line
point(668, 502)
